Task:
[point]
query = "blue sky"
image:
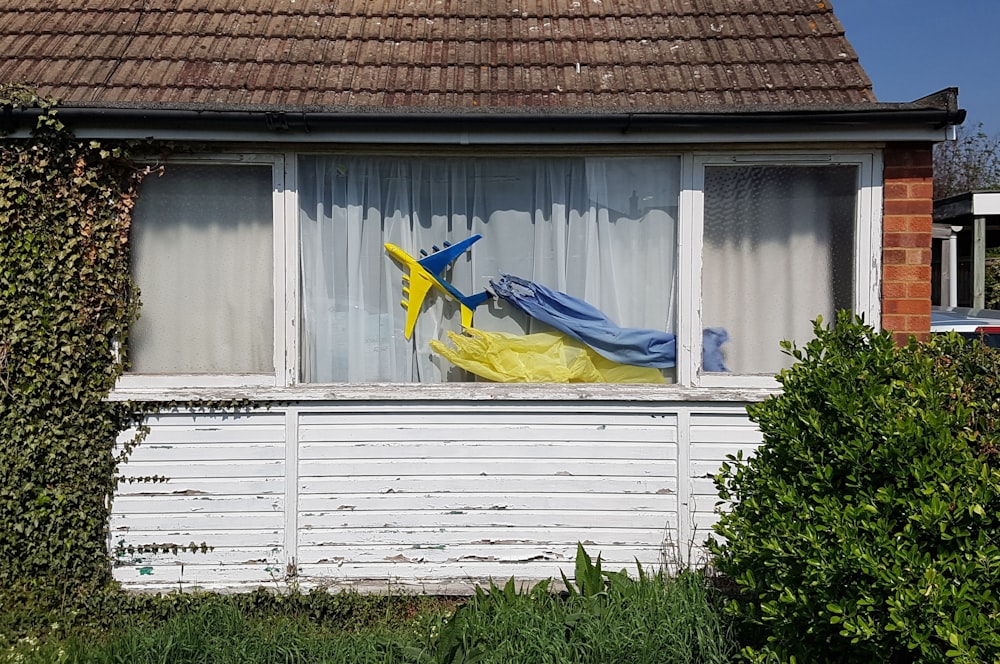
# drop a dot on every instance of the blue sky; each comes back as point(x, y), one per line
point(911, 48)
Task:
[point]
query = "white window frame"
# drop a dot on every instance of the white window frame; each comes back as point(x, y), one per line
point(690, 383)
point(867, 248)
point(130, 380)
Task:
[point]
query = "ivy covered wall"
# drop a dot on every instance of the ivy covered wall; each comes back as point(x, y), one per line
point(66, 302)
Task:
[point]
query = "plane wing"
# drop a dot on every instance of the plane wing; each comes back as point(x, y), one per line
point(416, 285)
point(427, 272)
point(436, 262)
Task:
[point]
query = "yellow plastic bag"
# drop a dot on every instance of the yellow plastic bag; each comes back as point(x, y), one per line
point(545, 357)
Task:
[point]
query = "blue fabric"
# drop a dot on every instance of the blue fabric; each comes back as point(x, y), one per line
point(712, 339)
point(585, 323)
point(635, 346)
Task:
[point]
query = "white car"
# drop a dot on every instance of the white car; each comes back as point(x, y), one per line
point(970, 323)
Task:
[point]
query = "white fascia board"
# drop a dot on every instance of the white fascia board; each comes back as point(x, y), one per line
point(985, 203)
point(673, 136)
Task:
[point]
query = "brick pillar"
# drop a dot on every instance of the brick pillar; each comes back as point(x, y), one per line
point(906, 240)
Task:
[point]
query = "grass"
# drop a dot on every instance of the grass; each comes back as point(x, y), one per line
point(220, 630)
point(217, 634)
point(621, 621)
point(601, 618)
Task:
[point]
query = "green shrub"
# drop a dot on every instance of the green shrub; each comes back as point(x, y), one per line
point(865, 528)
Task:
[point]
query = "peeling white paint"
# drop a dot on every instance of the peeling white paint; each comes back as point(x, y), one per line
point(433, 494)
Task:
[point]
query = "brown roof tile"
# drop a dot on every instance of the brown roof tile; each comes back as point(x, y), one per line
point(442, 54)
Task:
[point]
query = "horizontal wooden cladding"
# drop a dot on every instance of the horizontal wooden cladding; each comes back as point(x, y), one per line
point(197, 549)
point(484, 431)
point(200, 428)
point(714, 436)
point(261, 539)
point(491, 486)
point(456, 418)
point(703, 522)
point(214, 524)
point(224, 472)
point(500, 484)
point(204, 486)
point(328, 505)
point(501, 522)
point(206, 420)
point(435, 493)
point(459, 576)
point(176, 576)
point(475, 553)
point(193, 504)
point(216, 433)
point(199, 452)
point(486, 446)
point(437, 536)
point(733, 429)
point(250, 556)
point(178, 468)
point(485, 460)
point(456, 547)
point(434, 468)
point(386, 575)
point(184, 445)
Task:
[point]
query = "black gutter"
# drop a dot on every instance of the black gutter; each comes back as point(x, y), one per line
point(308, 121)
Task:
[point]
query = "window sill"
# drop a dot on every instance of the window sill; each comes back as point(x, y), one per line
point(446, 392)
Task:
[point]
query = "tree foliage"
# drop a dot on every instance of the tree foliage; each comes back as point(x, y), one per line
point(866, 527)
point(969, 163)
point(66, 303)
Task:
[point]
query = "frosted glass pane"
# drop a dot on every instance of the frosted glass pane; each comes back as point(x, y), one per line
point(202, 257)
point(778, 252)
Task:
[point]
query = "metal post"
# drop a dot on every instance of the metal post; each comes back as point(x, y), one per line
point(953, 266)
point(979, 263)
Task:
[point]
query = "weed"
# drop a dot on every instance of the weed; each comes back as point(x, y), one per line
point(602, 617)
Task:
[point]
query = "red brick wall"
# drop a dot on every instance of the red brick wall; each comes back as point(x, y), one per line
point(906, 240)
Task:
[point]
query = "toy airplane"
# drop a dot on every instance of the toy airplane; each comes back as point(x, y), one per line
point(427, 272)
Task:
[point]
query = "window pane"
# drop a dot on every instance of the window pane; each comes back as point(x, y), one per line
point(778, 251)
point(602, 230)
point(202, 256)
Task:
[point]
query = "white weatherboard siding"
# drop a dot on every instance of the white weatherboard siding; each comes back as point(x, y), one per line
point(467, 494)
point(713, 436)
point(420, 495)
point(225, 488)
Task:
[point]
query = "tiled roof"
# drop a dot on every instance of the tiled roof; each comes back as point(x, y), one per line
point(432, 54)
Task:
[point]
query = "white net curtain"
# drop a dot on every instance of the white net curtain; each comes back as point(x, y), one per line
point(202, 254)
point(602, 229)
point(778, 250)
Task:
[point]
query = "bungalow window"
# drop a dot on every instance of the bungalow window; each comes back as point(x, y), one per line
point(202, 255)
point(600, 229)
point(272, 270)
point(778, 251)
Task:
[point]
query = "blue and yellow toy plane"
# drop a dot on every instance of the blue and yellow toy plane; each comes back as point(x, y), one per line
point(428, 272)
